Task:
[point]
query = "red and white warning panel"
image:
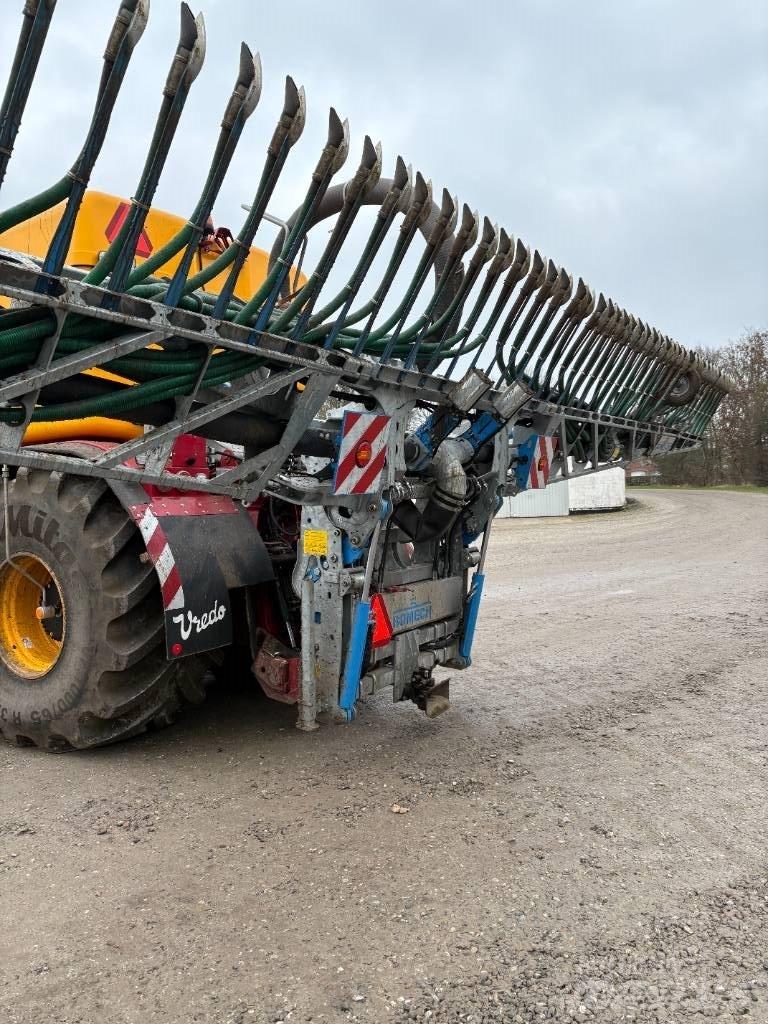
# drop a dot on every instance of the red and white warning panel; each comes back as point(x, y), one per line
point(362, 452)
point(541, 461)
point(159, 551)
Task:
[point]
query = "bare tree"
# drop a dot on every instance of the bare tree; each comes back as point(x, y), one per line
point(735, 447)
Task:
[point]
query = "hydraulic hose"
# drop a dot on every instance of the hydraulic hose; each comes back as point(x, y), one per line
point(447, 499)
point(254, 429)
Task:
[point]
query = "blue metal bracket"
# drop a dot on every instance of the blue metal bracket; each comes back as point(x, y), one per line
point(483, 429)
point(470, 616)
point(354, 664)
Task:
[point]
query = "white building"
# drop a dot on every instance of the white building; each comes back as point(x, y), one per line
point(603, 490)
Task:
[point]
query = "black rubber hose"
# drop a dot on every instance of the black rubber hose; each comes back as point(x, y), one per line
point(433, 522)
point(256, 431)
point(446, 501)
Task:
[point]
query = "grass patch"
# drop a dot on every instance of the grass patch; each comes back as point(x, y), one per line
point(739, 488)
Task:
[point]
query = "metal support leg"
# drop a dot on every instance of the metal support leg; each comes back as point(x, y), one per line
point(307, 720)
point(595, 446)
point(564, 446)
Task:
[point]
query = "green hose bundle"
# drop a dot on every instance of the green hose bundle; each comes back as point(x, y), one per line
point(569, 346)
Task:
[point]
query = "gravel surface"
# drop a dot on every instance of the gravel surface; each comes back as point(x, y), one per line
point(582, 838)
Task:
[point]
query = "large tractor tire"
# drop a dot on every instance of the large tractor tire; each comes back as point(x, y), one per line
point(82, 647)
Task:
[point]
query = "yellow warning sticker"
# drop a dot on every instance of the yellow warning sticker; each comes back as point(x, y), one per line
point(315, 542)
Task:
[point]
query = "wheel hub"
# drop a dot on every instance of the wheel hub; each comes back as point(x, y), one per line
point(32, 617)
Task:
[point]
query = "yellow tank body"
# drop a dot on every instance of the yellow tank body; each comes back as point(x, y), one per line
point(97, 224)
point(92, 236)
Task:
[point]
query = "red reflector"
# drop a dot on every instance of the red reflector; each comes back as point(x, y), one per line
point(363, 454)
point(112, 230)
point(176, 650)
point(382, 626)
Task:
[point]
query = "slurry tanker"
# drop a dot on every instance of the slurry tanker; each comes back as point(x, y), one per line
point(205, 445)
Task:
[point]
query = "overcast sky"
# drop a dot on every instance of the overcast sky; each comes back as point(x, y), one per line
point(626, 140)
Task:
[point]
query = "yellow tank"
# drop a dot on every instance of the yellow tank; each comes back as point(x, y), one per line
point(98, 222)
point(97, 225)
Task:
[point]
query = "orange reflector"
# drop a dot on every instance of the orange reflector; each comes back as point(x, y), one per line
point(363, 454)
point(382, 625)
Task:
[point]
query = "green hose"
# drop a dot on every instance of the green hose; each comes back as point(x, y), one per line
point(159, 374)
point(30, 208)
point(160, 257)
point(131, 398)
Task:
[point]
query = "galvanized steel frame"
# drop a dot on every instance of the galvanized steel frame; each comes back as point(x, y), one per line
point(149, 322)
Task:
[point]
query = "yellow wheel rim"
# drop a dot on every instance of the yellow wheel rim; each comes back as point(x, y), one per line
point(30, 645)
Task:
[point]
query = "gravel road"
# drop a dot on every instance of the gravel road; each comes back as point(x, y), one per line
point(585, 834)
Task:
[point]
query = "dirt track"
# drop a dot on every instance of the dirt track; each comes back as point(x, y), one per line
point(586, 835)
